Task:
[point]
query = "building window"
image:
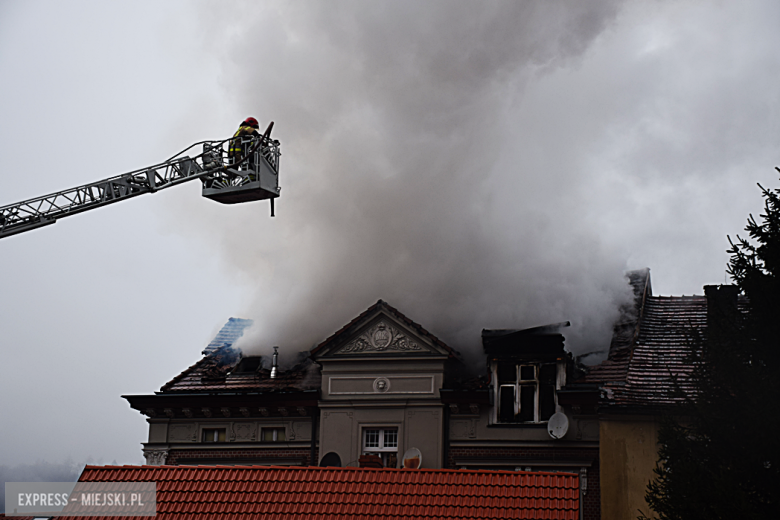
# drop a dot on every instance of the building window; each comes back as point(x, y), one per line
point(382, 442)
point(274, 435)
point(214, 434)
point(526, 393)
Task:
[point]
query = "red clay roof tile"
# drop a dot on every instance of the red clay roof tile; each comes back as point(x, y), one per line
point(242, 493)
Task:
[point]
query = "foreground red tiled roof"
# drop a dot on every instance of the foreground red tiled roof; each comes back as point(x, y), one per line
point(234, 492)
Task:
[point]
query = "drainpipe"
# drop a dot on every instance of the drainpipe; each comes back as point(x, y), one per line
point(314, 428)
point(583, 490)
point(446, 429)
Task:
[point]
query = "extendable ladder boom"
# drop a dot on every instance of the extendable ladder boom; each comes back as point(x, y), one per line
point(210, 166)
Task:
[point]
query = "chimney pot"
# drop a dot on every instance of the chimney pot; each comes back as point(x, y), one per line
point(721, 303)
point(275, 364)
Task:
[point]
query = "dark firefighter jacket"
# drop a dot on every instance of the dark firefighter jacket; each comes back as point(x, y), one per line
point(235, 149)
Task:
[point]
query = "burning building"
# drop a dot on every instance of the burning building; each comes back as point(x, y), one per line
point(383, 384)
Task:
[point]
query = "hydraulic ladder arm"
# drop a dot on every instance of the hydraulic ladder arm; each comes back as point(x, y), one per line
point(209, 166)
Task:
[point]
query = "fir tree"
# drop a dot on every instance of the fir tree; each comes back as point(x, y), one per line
point(719, 452)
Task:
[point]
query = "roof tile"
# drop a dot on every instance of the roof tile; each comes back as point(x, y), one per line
point(242, 493)
point(642, 373)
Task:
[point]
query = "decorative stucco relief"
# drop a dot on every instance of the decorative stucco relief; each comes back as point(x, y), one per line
point(379, 338)
point(381, 384)
point(183, 432)
point(301, 430)
point(466, 429)
point(244, 431)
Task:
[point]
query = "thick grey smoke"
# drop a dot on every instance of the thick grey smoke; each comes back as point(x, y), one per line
point(492, 164)
point(394, 119)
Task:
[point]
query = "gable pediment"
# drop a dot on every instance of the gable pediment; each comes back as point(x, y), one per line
point(382, 336)
point(381, 331)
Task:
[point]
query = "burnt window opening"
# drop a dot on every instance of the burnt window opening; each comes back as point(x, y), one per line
point(528, 372)
point(382, 442)
point(507, 373)
point(248, 365)
point(274, 435)
point(526, 393)
point(214, 434)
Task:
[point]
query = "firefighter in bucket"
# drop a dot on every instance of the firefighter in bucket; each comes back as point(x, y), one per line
point(240, 143)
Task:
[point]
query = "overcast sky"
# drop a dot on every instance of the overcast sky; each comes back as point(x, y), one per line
point(475, 164)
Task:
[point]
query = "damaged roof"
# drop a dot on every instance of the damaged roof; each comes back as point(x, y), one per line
point(228, 335)
point(537, 342)
point(224, 368)
point(219, 369)
point(643, 373)
point(650, 351)
point(303, 376)
point(197, 393)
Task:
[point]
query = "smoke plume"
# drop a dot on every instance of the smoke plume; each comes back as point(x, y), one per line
point(407, 177)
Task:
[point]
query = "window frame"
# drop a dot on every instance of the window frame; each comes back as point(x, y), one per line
point(215, 429)
point(275, 430)
point(383, 451)
point(520, 382)
point(380, 440)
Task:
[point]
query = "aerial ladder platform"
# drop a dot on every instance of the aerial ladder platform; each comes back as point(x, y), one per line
point(227, 180)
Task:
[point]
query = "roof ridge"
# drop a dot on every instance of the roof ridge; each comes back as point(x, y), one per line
point(420, 329)
point(129, 467)
point(345, 327)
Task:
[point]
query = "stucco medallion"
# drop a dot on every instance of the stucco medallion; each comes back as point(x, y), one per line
point(381, 384)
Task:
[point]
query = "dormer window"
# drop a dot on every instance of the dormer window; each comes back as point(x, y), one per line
point(526, 392)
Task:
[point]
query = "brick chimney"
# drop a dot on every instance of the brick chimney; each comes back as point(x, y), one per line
point(721, 304)
point(370, 461)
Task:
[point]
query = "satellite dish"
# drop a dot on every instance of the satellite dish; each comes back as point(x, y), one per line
point(331, 460)
point(558, 425)
point(412, 459)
